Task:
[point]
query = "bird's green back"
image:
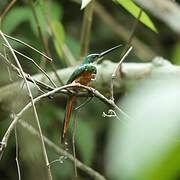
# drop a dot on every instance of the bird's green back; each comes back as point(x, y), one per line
point(79, 70)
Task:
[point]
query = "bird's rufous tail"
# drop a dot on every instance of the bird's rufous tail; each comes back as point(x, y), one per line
point(69, 107)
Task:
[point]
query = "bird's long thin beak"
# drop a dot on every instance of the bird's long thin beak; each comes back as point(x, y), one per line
point(108, 51)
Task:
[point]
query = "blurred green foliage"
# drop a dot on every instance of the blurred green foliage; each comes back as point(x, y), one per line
point(58, 32)
point(60, 23)
point(148, 146)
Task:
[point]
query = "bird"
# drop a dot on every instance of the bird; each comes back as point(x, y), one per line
point(83, 74)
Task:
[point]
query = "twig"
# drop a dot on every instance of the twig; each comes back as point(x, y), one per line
point(8, 69)
point(115, 72)
point(34, 82)
point(94, 174)
point(27, 45)
point(17, 155)
point(60, 160)
point(129, 41)
point(9, 74)
point(96, 93)
point(38, 84)
point(32, 102)
point(74, 143)
point(133, 73)
point(7, 8)
point(40, 69)
point(16, 69)
point(58, 89)
point(131, 36)
point(12, 115)
point(111, 113)
point(86, 28)
point(84, 103)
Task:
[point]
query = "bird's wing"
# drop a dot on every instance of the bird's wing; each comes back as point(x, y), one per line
point(79, 70)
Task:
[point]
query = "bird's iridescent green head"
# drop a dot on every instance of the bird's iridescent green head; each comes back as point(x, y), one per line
point(91, 58)
point(94, 57)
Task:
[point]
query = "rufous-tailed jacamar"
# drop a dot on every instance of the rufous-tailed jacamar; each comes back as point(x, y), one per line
point(83, 74)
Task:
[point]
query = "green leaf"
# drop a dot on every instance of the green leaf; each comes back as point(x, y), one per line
point(85, 3)
point(73, 45)
point(15, 17)
point(59, 36)
point(54, 8)
point(147, 146)
point(19, 15)
point(133, 9)
point(41, 10)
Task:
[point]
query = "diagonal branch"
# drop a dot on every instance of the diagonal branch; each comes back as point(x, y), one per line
point(60, 151)
point(7, 8)
point(38, 67)
point(132, 74)
point(116, 70)
point(27, 45)
point(92, 91)
point(32, 103)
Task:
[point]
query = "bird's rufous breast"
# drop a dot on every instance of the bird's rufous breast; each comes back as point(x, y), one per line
point(85, 78)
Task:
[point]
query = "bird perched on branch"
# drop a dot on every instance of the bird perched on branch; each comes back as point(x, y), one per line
point(83, 74)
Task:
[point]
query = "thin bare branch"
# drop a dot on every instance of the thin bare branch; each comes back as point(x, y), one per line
point(30, 79)
point(131, 35)
point(115, 72)
point(8, 69)
point(94, 174)
point(124, 53)
point(74, 143)
point(40, 69)
point(56, 90)
point(84, 103)
point(7, 8)
point(132, 74)
point(129, 41)
point(27, 45)
point(17, 155)
point(32, 102)
point(111, 113)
